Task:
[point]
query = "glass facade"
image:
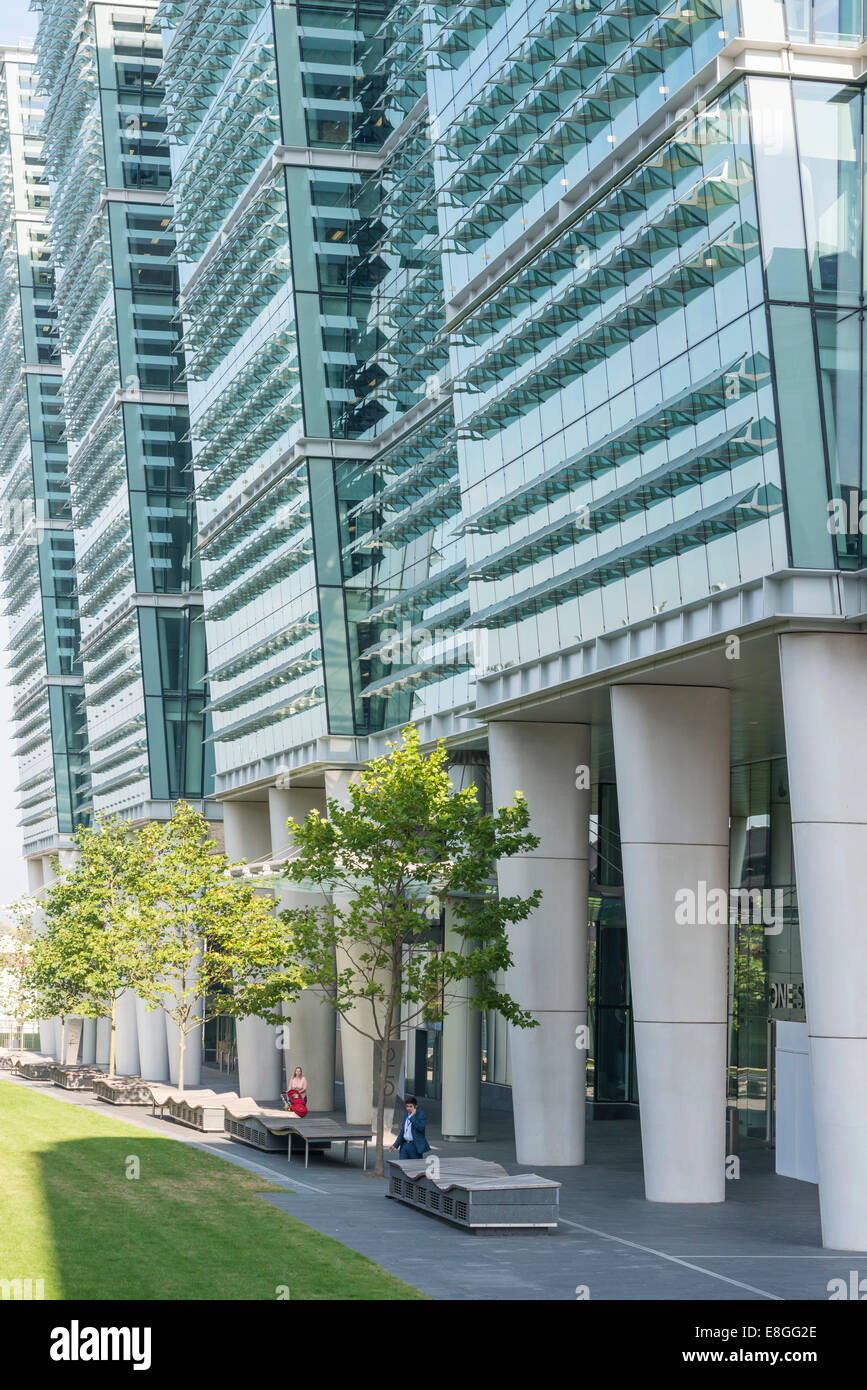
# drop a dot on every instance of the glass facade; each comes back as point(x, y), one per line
point(403, 345)
point(127, 427)
point(464, 391)
point(42, 611)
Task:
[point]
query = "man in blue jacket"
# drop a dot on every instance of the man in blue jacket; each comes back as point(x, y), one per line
point(411, 1142)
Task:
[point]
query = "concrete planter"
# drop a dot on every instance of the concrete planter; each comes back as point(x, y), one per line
point(75, 1078)
point(122, 1090)
point(39, 1070)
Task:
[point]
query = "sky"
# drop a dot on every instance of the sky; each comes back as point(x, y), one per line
point(16, 22)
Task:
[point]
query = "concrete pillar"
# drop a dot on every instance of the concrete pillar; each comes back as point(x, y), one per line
point(88, 1042)
point(824, 684)
point(356, 1047)
point(247, 830)
point(49, 1028)
point(153, 1047)
point(311, 1031)
point(126, 1059)
point(103, 1041)
point(549, 974)
point(462, 1025)
point(311, 1042)
point(311, 1024)
point(296, 802)
point(192, 1054)
point(462, 1051)
point(671, 746)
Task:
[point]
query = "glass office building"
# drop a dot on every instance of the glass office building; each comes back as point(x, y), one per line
point(514, 385)
point(41, 602)
point(126, 425)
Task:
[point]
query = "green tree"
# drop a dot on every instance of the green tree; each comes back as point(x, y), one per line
point(54, 977)
point(16, 943)
point(213, 937)
point(405, 842)
point(93, 917)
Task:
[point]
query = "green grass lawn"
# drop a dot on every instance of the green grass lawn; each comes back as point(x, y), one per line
point(190, 1226)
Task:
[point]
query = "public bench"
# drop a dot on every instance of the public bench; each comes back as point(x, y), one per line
point(10, 1056)
point(122, 1090)
point(203, 1109)
point(75, 1078)
point(266, 1128)
point(32, 1068)
point(476, 1194)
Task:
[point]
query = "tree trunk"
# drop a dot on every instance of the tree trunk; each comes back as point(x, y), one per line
point(379, 1167)
point(62, 1041)
point(111, 1047)
point(182, 1047)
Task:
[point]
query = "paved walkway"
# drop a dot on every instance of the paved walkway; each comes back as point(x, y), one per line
point(763, 1244)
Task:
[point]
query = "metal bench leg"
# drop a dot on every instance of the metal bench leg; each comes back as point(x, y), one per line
point(345, 1150)
point(365, 1155)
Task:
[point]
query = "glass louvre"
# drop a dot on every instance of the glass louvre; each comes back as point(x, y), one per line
point(130, 483)
point(39, 554)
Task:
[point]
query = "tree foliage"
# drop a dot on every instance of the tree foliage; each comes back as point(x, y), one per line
point(155, 911)
point(212, 936)
point(405, 843)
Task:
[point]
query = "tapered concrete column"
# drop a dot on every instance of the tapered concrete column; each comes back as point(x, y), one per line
point(103, 1041)
point(126, 1059)
point(40, 874)
point(153, 1047)
point(192, 1047)
point(88, 1042)
point(462, 1025)
point(671, 747)
point(311, 1028)
point(824, 682)
point(461, 1051)
point(296, 802)
point(549, 974)
point(192, 1055)
point(311, 1024)
point(356, 1047)
point(311, 1040)
point(247, 830)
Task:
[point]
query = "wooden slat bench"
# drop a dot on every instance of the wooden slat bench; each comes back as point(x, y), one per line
point(476, 1194)
point(203, 1109)
point(265, 1128)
